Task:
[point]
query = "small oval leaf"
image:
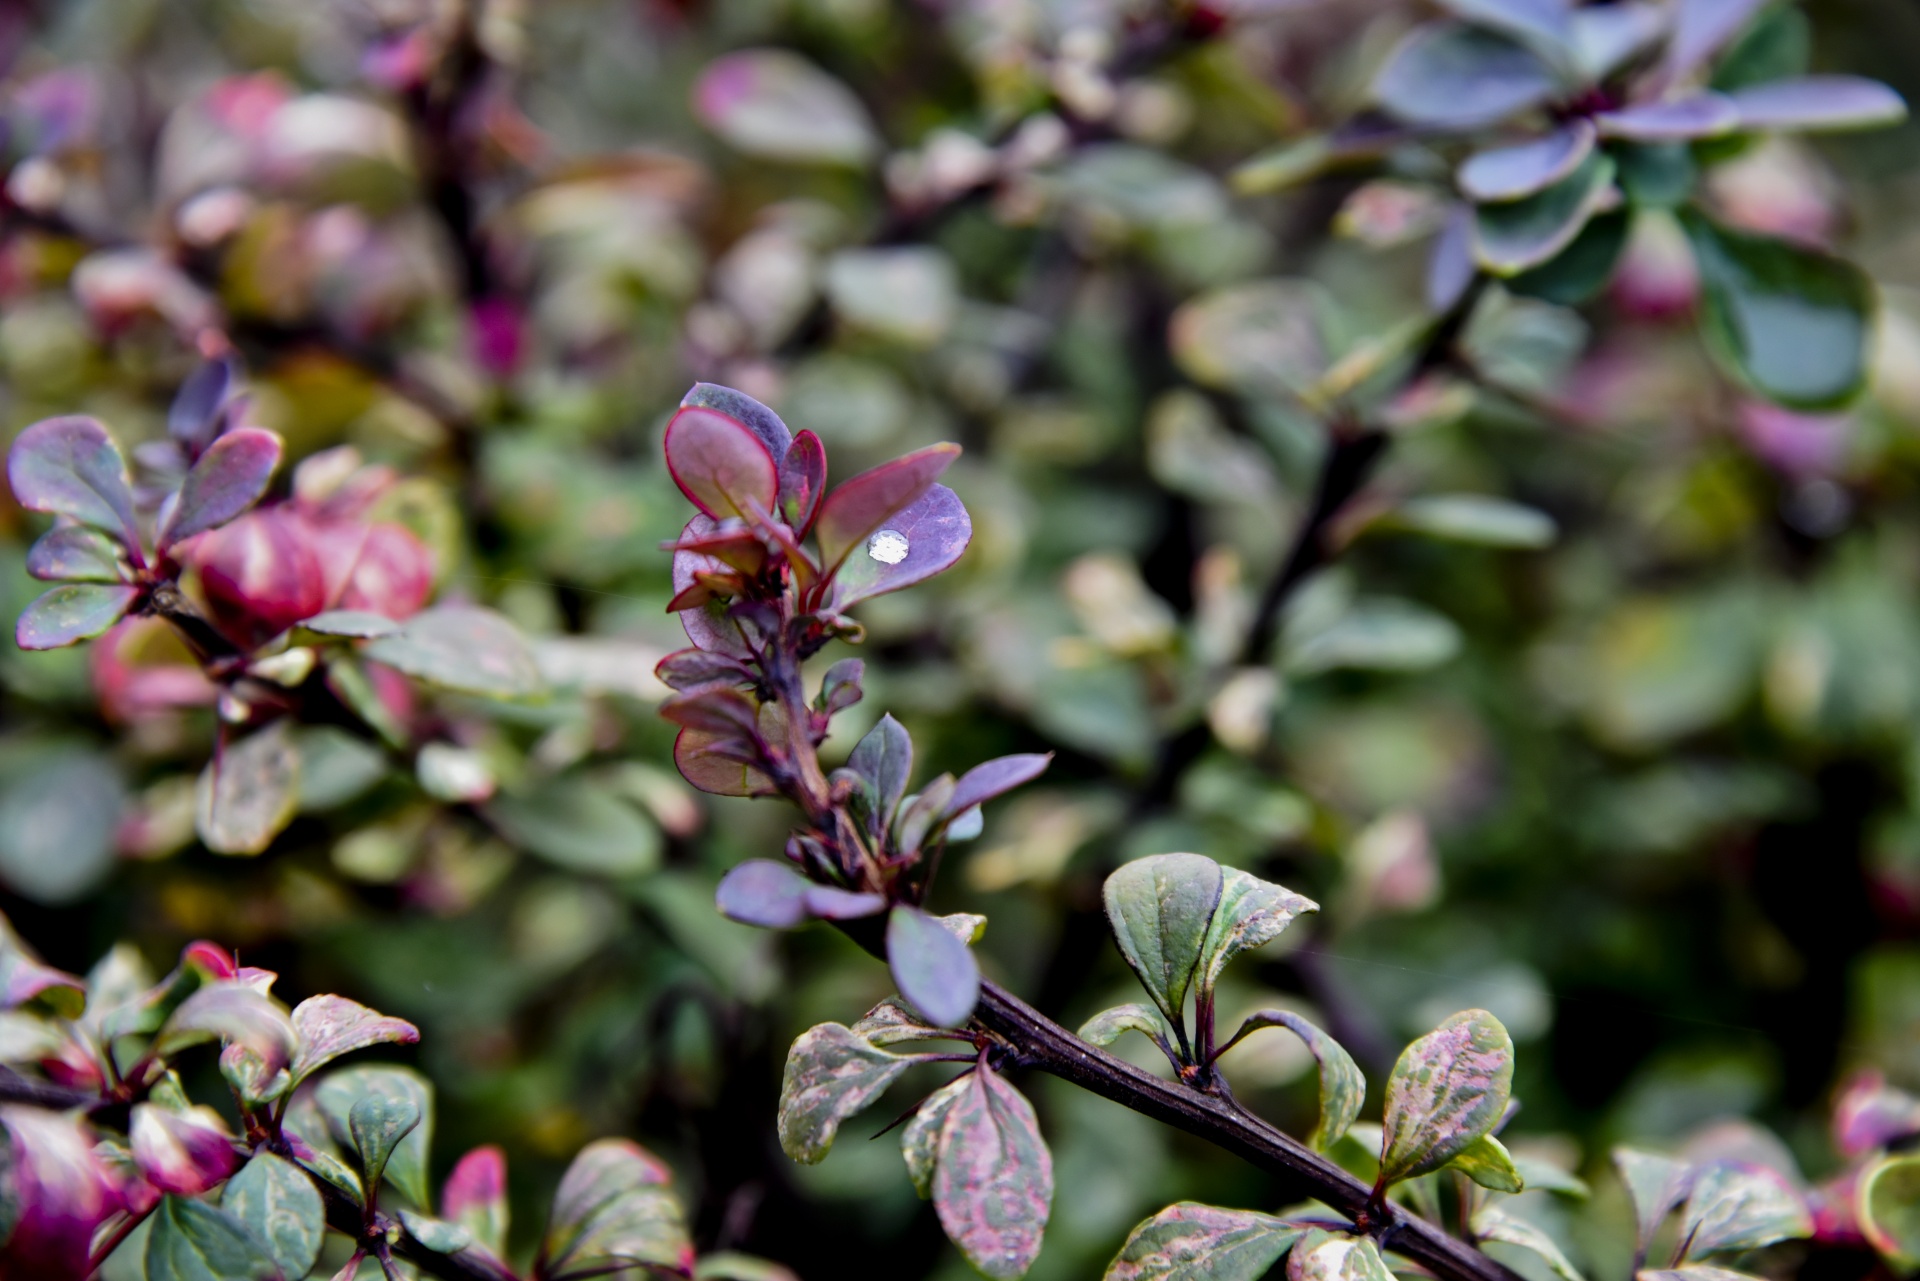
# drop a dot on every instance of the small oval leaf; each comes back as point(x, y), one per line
point(993, 1179)
point(1447, 1089)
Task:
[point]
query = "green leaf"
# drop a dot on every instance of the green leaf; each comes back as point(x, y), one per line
point(993, 1178)
point(1320, 1255)
point(920, 1140)
point(1655, 1185)
point(437, 1235)
point(1735, 1205)
point(730, 1265)
point(392, 1095)
point(832, 1073)
point(1511, 236)
point(579, 826)
point(1477, 518)
point(1655, 175)
point(1251, 913)
point(279, 1205)
point(1579, 272)
point(1160, 908)
point(884, 757)
point(1488, 1163)
point(463, 648)
point(194, 1241)
point(1343, 1087)
point(1193, 1242)
point(1889, 1205)
point(249, 792)
point(1788, 321)
point(1449, 75)
point(1693, 1272)
point(1545, 1176)
point(615, 1205)
point(1383, 633)
point(60, 813)
point(1104, 1028)
point(775, 104)
point(1448, 1089)
point(233, 1013)
point(1493, 1224)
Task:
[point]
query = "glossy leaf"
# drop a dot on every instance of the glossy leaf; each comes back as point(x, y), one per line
point(436, 1234)
point(856, 509)
point(1491, 1223)
point(77, 554)
point(228, 479)
point(935, 530)
point(775, 104)
point(1449, 75)
point(462, 648)
point(1508, 173)
point(235, 1013)
point(1790, 322)
point(249, 792)
point(831, 1074)
point(1251, 913)
point(56, 1191)
point(330, 1026)
point(803, 482)
point(391, 1095)
point(1515, 235)
point(475, 1197)
point(933, 969)
point(279, 1205)
point(1320, 1255)
point(1448, 1089)
point(720, 464)
point(193, 1241)
point(614, 1205)
point(1704, 115)
point(71, 467)
point(1655, 1184)
point(71, 613)
point(1488, 1163)
point(995, 777)
point(1343, 1087)
point(993, 1182)
point(1813, 103)
point(757, 418)
point(1188, 1241)
point(1889, 1208)
point(1104, 1028)
point(884, 757)
point(1160, 908)
point(359, 624)
point(1741, 1206)
point(920, 1139)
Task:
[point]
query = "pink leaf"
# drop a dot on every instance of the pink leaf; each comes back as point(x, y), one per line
point(475, 1196)
point(993, 1184)
point(260, 574)
point(759, 420)
point(720, 464)
point(228, 479)
point(803, 482)
point(859, 507)
point(61, 1189)
point(330, 1026)
point(393, 575)
point(71, 467)
point(181, 1152)
point(924, 539)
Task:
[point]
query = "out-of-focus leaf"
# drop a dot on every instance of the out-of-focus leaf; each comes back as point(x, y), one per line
point(1889, 1207)
point(730, 1265)
point(1812, 103)
point(228, 479)
point(907, 293)
point(58, 818)
point(357, 623)
point(330, 1026)
point(831, 1074)
point(1741, 1206)
point(71, 467)
point(1453, 76)
point(1451, 266)
point(614, 1205)
point(776, 104)
point(1655, 1184)
point(1343, 1088)
point(1704, 115)
point(1491, 1223)
point(922, 539)
point(1579, 272)
point(1251, 913)
point(185, 1152)
point(1701, 28)
point(1383, 633)
point(233, 1012)
point(249, 792)
point(1869, 1114)
point(993, 1179)
point(1511, 236)
point(1320, 1255)
point(1791, 322)
point(71, 613)
point(773, 895)
point(475, 1197)
point(1477, 518)
point(1606, 36)
point(1509, 173)
point(1488, 1163)
point(77, 554)
point(579, 826)
point(279, 1205)
point(1262, 336)
point(932, 967)
point(1547, 25)
point(193, 1241)
point(391, 1095)
point(1188, 1241)
point(462, 648)
point(857, 510)
point(1693, 1272)
point(1160, 908)
point(1447, 1089)
point(195, 414)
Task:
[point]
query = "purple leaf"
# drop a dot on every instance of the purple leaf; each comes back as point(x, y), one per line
point(228, 479)
point(717, 708)
point(1453, 76)
point(1700, 29)
point(1447, 1089)
point(72, 612)
point(840, 687)
point(71, 467)
point(1872, 1114)
point(884, 757)
point(330, 1026)
point(1705, 115)
point(1450, 268)
point(686, 668)
point(720, 464)
point(1193, 1241)
point(765, 893)
point(830, 903)
point(1605, 36)
point(993, 1177)
point(23, 976)
point(923, 539)
point(181, 1152)
point(194, 418)
point(803, 482)
point(992, 778)
point(760, 420)
point(1545, 24)
point(1508, 173)
point(1809, 103)
point(934, 970)
point(77, 554)
point(730, 542)
point(703, 760)
point(707, 625)
point(60, 1189)
point(475, 1197)
point(862, 506)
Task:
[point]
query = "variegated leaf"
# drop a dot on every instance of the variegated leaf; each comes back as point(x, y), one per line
point(1735, 1205)
point(330, 1026)
point(1488, 1163)
point(1160, 908)
point(832, 1072)
point(993, 1178)
point(1343, 1088)
point(1251, 912)
point(920, 1140)
point(1320, 1255)
point(1194, 1242)
point(1448, 1088)
point(1655, 1184)
point(1494, 1224)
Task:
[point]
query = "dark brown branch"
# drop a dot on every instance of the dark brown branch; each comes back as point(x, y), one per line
point(1043, 1044)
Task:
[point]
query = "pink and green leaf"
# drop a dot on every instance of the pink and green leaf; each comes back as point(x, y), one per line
point(330, 1026)
point(993, 1177)
point(77, 554)
point(1188, 1241)
point(1447, 1089)
point(72, 612)
point(72, 467)
point(832, 1073)
point(475, 1197)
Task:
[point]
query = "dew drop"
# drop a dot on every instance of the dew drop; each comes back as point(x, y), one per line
point(889, 547)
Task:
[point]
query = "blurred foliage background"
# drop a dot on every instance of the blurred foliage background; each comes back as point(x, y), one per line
point(1606, 718)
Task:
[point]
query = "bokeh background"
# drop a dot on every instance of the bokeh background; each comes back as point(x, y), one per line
point(1606, 717)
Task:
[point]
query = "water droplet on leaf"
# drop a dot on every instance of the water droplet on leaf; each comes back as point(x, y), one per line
point(889, 547)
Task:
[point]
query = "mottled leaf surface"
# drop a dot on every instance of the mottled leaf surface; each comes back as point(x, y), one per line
point(993, 1182)
point(1160, 908)
point(920, 1139)
point(932, 966)
point(832, 1073)
point(615, 1205)
point(233, 1012)
point(1320, 1255)
point(72, 612)
point(1487, 1162)
point(330, 1026)
point(1193, 1242)
point(77, 554)
point(1736, 1205)
point(279, 1205)
point(1251, 913)
point(1447, 1089)
point(193, 1241)
point(1494, 1224)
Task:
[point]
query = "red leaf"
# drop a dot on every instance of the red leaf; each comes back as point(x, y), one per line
point(719, 463)
point(260, 574)
point(803, 482)
point(393, 575)
point(859, 507)
point(700, 764)
point(935, 529)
